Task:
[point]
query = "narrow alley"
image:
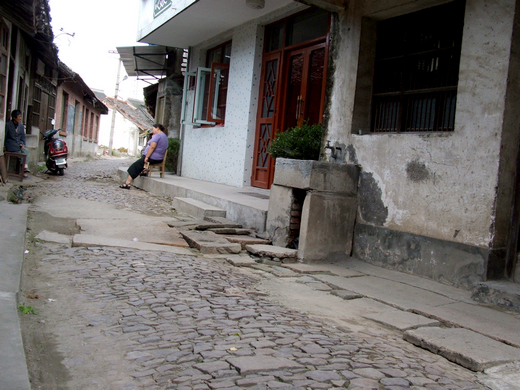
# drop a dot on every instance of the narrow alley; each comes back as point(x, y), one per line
point(119, 318)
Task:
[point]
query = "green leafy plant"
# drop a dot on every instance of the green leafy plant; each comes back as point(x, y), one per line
point(27, 309)
point(174, 144)
point(300, 143)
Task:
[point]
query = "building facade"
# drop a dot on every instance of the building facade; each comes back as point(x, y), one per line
point(78, 114)
point(419, 95)
point(28, 69)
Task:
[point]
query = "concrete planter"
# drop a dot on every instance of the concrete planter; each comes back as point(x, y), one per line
point(317, 175)
point(329, 209)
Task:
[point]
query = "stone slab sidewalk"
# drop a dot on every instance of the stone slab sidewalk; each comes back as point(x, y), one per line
point(13, 367)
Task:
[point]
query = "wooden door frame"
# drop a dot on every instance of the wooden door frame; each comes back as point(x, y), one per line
point(286, 56)
point(260, 120)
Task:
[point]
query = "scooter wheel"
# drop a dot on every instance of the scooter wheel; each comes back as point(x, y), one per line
point(61, 171)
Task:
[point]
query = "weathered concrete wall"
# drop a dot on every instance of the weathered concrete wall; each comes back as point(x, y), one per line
point(329, 208)
point(441, 186)
point(279, 214)
point(327, 226)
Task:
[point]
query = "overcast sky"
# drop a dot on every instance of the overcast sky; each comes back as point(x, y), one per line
point(99, 26)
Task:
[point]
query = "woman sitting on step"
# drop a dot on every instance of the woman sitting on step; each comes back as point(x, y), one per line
point(152, 154)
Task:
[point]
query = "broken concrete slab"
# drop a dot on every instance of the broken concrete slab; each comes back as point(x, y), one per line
point(346, 294)
point(209, 242)
point(239, 232)
point(313, 283)
point(275, 270)
point(462, 346)
point(54, 237)
point(184, 224)
point(196, 208)
point(90, 240)
point(401, 320)
point(154, 231)
point(240, 260)
point(324, 268)
point(271, 251)
point(222, 221)
point(307, 268)
point(246, 240)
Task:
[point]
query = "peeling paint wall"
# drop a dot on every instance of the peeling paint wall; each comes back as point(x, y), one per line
point(441, 186)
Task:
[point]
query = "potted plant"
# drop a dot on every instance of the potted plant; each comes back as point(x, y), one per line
point(299, 143)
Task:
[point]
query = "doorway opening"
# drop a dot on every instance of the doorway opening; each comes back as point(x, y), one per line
point(292, 86)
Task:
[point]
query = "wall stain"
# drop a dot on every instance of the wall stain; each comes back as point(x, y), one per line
point(371, 205)
point(417, 171)
point(352, 156)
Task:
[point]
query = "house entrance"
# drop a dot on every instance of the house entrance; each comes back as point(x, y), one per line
point(292, 84)
point(512, 271)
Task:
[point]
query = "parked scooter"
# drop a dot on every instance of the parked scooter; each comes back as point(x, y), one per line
point(56, 152)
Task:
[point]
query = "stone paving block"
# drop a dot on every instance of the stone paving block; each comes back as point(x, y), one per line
point(209, 242)
point(212, 367)
point(271, 251)
point(277, 271)
point(369, 372)
point(323, 376)
point(465, 347)
point(222, 221)
point(240, 261)
point(246, 240)
point(255, 364)
point(401, 320)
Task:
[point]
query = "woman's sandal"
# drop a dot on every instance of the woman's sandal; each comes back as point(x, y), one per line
point(125, 186)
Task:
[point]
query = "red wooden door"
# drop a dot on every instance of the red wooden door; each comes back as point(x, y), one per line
point(263, 164)
point(305, 86)
point(299, 93)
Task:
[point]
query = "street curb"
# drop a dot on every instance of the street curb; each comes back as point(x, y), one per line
point(13, 365)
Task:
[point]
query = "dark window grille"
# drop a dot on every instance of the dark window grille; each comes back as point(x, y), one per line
point(416, 71)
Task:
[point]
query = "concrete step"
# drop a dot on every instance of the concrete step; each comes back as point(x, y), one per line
point(209, 243)
point(469, 349)
point(197, 209)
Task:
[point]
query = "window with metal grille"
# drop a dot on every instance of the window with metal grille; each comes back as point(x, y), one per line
point(416, 71)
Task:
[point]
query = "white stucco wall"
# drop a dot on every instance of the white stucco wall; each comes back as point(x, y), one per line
point(125, 133)
point(224, 154)
point(456, 201)
point(217, 153)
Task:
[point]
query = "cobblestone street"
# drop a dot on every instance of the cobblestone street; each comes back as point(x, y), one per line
point(120, 318)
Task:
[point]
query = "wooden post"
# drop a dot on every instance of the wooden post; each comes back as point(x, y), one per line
point(3, 170)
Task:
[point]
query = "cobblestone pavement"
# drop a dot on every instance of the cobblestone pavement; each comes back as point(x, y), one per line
point(125, 319)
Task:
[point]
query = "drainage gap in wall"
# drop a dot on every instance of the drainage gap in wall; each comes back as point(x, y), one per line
point(296, 214)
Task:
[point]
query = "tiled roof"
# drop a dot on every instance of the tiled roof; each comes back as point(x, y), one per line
point(135, 112)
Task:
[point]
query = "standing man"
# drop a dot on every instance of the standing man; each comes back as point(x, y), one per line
point(15, 136)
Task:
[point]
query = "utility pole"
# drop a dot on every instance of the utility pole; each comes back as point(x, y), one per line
point(111, 142)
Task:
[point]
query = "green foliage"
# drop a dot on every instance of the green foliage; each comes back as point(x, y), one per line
point(300, 143)
point(174, 145)
point(27, 309)
point(122, 150)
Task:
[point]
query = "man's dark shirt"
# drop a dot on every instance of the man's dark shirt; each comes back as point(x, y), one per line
point(14, 136)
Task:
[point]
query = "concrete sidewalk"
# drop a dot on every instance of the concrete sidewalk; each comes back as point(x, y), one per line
point(13, 367)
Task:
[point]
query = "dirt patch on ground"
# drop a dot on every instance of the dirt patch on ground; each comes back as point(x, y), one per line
point(44, 361)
